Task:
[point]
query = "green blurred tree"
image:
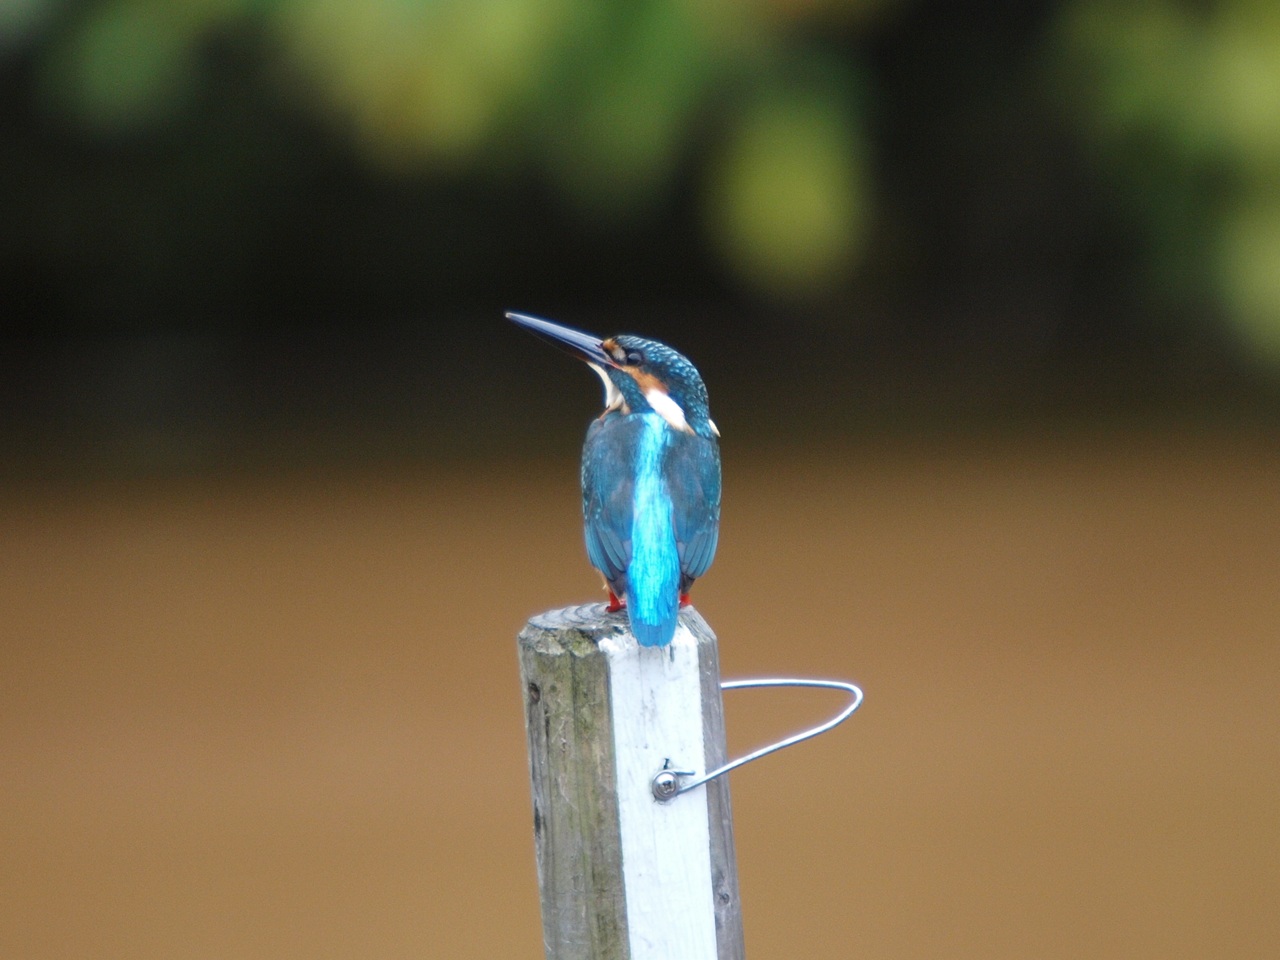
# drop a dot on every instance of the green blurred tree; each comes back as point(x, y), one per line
point(1181, 103)
point(611, 102)
point(606, 98)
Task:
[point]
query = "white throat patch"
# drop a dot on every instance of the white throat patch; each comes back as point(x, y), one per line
point(612, 395)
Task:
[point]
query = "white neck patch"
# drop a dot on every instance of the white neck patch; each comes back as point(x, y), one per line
point(668, 409)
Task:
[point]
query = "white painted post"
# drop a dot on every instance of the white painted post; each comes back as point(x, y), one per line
point(622, 875)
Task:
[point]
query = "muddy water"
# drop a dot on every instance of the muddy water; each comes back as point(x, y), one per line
point(281, 718)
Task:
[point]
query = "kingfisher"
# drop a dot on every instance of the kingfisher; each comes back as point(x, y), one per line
point(650, 475)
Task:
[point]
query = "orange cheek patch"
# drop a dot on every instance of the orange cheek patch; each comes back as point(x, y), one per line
point(647, 381)
point(611, 347)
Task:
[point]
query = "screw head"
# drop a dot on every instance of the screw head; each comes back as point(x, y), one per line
point(665, 785)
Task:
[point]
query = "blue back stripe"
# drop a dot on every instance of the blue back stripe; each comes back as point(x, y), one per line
point(654, 575)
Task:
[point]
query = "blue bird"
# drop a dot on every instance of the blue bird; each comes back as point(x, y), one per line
point(650, 475)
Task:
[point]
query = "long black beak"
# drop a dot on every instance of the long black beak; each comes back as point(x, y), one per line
point(581, 345)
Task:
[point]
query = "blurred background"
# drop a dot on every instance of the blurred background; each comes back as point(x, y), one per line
point(987, 298)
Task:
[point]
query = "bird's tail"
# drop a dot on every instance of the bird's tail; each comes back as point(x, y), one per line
point(653, 619)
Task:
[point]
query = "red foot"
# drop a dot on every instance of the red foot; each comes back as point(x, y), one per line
point(614, 603)
point(684, 600)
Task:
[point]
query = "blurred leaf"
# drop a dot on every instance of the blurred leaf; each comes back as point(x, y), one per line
point(1132, 64)
point(19, 19)
point(1239, 100)
point(1250, 268)
point(625, 111)
point(788, 204)
point(420, 80)
point(124, 66)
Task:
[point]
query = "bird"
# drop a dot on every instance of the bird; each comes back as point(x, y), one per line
point(650, 475)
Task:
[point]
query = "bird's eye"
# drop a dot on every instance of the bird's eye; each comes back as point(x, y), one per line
point(634, 359)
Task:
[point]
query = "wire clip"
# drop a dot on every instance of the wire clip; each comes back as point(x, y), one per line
point(668, 784)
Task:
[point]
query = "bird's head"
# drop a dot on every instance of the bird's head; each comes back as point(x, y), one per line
point(639, 374)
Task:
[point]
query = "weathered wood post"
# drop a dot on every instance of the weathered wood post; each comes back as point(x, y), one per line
point(624, 876)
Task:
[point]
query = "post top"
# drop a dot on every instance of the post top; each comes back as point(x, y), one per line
point(591, 623)
point(587, 616)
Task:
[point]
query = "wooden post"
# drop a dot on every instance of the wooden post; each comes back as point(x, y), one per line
point(622, 875)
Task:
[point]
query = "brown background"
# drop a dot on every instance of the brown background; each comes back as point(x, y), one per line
point(280, 717)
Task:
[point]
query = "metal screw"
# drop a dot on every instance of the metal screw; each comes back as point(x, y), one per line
point(665, 785)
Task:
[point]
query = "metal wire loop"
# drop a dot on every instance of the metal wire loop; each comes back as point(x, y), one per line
point(669, 783)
